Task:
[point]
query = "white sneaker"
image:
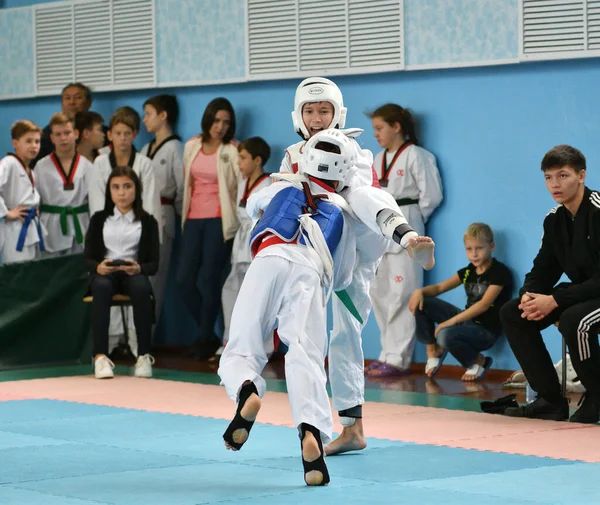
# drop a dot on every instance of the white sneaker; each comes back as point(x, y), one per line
point(143, 366)
point(103, 368)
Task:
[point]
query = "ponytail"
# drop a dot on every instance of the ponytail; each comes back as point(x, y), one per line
point(392, 113)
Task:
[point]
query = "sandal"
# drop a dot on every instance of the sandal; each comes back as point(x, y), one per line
point(387, 370)
point(373, 365)
point(516, 380)
point(238, 422)
point(478, 371)
point(317, 465)
point(435, 364)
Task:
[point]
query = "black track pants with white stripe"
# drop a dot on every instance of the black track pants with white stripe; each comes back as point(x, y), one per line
point(527, 344)
point(578, 324)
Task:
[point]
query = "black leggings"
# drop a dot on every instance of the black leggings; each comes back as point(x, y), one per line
point(139, 290)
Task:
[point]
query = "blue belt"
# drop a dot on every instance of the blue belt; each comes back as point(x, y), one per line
point(31, 214)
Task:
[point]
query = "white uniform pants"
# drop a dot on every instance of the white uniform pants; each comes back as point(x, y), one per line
point(346, 358)
point(159, 281)
point(282, 294)
point(231, 290)
point(74, 249)
point(396, 279)
point(9, 253)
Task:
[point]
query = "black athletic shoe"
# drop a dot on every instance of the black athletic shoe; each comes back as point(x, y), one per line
point(541, 409)
point(589, 412)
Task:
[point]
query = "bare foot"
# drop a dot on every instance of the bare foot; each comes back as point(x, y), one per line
point(249, 412)
point(351, 439)
point(310, 453)
point(421, 250)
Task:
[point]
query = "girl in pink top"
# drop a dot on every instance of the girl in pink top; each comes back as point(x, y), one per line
point(209, 220)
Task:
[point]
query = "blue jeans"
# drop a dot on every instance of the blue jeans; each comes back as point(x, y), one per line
point(203, 259)
point(464, 341)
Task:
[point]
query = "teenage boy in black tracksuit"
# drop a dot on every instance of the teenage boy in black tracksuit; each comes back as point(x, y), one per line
point(570, 245)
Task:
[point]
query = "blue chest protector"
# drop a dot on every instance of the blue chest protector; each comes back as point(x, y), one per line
point(280, 218)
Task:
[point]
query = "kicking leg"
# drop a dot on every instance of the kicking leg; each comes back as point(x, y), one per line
point(421, 250)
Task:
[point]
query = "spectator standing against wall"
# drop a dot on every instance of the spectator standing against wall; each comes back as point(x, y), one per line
point(165, 151)
point(21, 233)
point(62, 180)
point(410, 174)
point(209, 220)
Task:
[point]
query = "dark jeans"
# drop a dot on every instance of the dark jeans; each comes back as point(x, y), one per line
point(578, 324)
point(138, 288)
point(464, 341)
point(204, 257)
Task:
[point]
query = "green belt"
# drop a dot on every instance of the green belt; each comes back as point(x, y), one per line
point(406, 201)
point(68, 211)
point(346, 300)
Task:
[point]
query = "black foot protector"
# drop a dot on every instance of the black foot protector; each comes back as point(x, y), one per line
point(238, 422)
point(317, 465)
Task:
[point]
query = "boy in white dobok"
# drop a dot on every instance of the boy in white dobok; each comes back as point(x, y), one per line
point(318, 105)
point(165, 151)
point(303, 243)
point(253, 154)
point(21, 233)
point(62, 180)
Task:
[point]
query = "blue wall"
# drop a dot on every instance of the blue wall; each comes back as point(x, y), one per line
point(489, 128)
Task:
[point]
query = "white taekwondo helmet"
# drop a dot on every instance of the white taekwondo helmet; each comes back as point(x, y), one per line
point(318, 89)
point(327, 165)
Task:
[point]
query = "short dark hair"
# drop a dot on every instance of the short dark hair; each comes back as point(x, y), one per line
point(87, 119)
point(165, 103)
point(87, 92)
point(563, 156)
point(126, 115)
point(125, 171)
point(393, 113)
point(256, 146)
point(208, 118)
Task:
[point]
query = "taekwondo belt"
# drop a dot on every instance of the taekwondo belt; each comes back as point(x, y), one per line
point(64, 212)
point(31, 214)
point(406, 201)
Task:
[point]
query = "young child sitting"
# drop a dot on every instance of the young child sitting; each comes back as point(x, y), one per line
point(464, 333)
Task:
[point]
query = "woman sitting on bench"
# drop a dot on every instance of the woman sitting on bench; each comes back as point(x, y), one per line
point(121, 251)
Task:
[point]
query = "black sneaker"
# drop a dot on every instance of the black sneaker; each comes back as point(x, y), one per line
point(589, 412)
point(541, 409)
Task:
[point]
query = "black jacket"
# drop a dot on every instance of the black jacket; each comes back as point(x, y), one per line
point(148, 253)
point(570, 245)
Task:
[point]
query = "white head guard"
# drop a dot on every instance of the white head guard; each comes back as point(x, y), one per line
point(327, 165)
point(318, 89)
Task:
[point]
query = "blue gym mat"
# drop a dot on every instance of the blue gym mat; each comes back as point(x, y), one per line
point(62, 453)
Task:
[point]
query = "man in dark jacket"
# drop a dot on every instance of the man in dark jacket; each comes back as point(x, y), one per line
point(571, 246)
